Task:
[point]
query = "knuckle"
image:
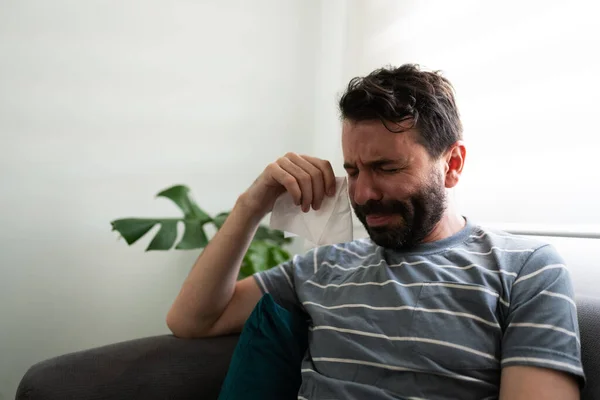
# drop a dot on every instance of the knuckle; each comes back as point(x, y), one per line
point(271, 169)
point(304, 178)
point(288, 181)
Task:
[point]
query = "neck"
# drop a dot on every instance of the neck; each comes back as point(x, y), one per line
point(451, 223)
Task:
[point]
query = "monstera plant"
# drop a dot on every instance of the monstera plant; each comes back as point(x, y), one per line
point(265, 251)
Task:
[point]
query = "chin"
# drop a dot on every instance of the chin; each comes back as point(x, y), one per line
point(396, 237)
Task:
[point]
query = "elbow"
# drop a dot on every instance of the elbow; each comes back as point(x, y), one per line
point(177, 327)
point(184, 328)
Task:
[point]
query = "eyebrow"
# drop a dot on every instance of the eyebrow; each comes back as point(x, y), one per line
point(375, 163)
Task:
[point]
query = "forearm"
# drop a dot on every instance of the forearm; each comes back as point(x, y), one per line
point(532, 383)
point(211, 283)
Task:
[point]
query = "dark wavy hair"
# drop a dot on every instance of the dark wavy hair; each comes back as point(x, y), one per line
point(406, 94)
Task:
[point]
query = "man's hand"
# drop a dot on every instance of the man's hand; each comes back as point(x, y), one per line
point(307, 179)
point(532, 383)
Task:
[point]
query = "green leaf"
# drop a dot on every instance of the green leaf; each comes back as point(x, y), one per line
point(259, 255)
point(133, 228)
point(194, 236)
point(246, 269)
point(165, 237)
point(194, 218)
point(181, 196)
point(277, 255)
point(264, 233)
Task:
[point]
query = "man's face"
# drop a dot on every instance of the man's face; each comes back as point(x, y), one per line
point(396, 189)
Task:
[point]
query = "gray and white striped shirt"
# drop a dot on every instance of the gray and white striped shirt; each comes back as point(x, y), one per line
point(438, 322)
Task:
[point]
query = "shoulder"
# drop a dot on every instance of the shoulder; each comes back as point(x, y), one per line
point(505, 240)
point(511, 251)
point(523, 257)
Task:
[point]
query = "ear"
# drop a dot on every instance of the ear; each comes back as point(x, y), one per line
point(454, 163)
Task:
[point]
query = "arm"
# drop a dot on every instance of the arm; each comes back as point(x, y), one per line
point(531, 383)
point(211, 301)
point(211, 290)
point(541, 351)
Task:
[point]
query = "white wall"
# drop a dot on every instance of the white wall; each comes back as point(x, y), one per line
point(104, 103)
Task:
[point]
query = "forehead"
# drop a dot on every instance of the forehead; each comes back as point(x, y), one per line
point(367, 141)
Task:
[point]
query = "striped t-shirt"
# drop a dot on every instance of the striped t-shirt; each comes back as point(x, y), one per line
point(438, 322)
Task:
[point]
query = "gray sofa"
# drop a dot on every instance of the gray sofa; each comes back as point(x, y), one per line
point(165, 367)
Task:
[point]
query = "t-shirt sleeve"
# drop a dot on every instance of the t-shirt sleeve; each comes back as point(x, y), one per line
point(279, 282)
point(541, 327)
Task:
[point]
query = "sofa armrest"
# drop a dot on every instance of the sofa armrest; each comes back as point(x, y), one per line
point(588, 313)
point(158, 367)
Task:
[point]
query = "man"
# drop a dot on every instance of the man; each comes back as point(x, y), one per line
point(431, 305)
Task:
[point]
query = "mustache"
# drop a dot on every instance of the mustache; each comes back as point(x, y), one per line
point(379, 207)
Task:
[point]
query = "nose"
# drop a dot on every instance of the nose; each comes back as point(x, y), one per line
point(364, 189)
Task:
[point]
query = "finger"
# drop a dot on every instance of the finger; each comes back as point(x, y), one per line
point(327, 170)
point(318, 185)
point(287, 181)
point(303, 179)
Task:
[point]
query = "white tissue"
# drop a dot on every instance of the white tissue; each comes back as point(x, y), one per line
point(330, 224)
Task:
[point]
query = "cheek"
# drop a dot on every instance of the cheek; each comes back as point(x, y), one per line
point(398, 189)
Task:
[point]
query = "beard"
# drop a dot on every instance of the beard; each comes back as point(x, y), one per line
point(420, 213)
